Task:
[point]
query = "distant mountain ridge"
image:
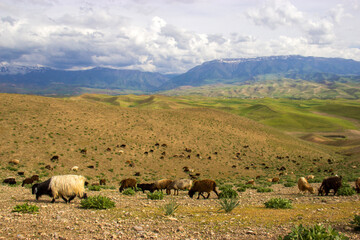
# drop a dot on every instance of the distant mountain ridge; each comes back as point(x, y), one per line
point(231, 71)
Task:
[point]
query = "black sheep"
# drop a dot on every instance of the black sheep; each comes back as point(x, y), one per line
point(330, 183)
point(202, 186)
point(146, 186)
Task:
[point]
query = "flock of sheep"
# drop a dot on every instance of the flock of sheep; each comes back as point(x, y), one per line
point(69, 186)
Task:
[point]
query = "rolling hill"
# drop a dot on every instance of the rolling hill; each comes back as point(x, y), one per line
point(152, 142)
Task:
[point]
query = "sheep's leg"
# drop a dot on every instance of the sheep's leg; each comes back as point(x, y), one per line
point(208, 195)
point(217, 194)
point(53, 200)
point(71, 198)
point(64, 199)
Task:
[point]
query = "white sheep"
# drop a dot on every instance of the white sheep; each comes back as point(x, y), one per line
point(75, 168)
point(64, 186)
point(180, 184)
point(304, 186)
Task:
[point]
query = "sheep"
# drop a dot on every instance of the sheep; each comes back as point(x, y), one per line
point(14, 161)
point(201, 186)
point(357, 185)
point(181, 184)
point(330, 183)
point(35, 177)
point(127, 183)
point(10, 181)
point(61, 186)
point(304, 186)
point(308, 177)
point(75, 168)
point(275, 179)
point(102, 181)
point(146, 186)
point(162, 184)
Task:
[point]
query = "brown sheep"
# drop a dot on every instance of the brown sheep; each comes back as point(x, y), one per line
point(252, 182)
point(275, 179)
point(330, 183)
point(304, 186)
point(357, 185)
point(10, 181)
point(27, 181)
point(102, 182)
point(127, 183)
point(202, 186)
point(162, 184)
point(14, 161)
point(308, 177)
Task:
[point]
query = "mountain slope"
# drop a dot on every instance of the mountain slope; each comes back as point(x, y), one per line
point(230, 71)
point(33, 129)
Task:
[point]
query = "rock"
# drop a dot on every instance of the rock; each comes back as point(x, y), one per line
point(250, 232)
point(138, 228)
point(20, 236)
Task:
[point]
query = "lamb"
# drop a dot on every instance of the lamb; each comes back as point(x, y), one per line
point(201, 186)
point(181, 184)
point(64, 186)
point(162, 184)
point(146, 186)
point(304, 186)
point(127, 183)
point(357, 185)
point(330, 183)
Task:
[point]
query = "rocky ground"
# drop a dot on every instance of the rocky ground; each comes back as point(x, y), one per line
point(136, 217)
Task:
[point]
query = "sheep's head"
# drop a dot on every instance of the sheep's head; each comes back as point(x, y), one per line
point(321, 191)
point(191, 193)
point(311, 190)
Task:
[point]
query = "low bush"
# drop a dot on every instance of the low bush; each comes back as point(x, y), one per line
point(157, 195)
point(356, 222)
point(227, 192)
point(346, 191)
point(170, 207)
point(228, 204)
point(263, 190)
point(94, 188)
point(278, 203)
point(317, 232)
point(26, 208)
point(289, 184)
point(241, 189)
point(129, 192)
point(97, 202)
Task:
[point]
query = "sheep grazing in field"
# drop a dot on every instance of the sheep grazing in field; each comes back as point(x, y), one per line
point(177, 185)
point(202, 186)
point(357, 185)
point(146, 186)
point(14, 161)
point(309, 177)
point(127, 183)
point(275, 179)
point(27, 181)
point(251, 182)
point(102, 181)
point(10, 181)
point(54, 158)
point(75, 168)
point(330, 183)
point(35, 177)
point(65, 186)
point(162, 184)
point(304, 186)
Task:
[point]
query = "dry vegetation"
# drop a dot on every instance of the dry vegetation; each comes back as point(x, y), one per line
point(121, 142)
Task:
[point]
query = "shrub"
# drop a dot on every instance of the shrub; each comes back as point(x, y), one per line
point(346, 191)
point(241, 189)
point(263, 190)
point(155, 195)
point(289, 184)
point(170, 207)
point(317, 232)
point(278, 203)
point(26, 208)
point(97, 202)
point(227, 192)
point(129, 192)
point(228, 204)
point(356, 222)
point(94, 188)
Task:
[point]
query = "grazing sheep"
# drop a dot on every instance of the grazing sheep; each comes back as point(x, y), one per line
point(75, 168)
point(127, 183)
point(202, 186)
point(102, 182)
point(35, 177)
point(21, 173)
point(146, 186)
point(64, 186)
point(10, 181)
point(330, 183)
point(357, 185)
point(162, 184)
point(308, 177)
point(54, 158)
point(48, 167)
point(14, 161)
point(252, 182)
point(181, 184)
point(27, 181)
point(304, 186)
point(275, 179)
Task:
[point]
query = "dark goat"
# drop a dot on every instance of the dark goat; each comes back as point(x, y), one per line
point(202, 186)
point(127, 183)
point(330, 183)
point(146, 186)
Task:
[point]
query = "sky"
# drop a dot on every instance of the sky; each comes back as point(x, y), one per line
point(173, 36)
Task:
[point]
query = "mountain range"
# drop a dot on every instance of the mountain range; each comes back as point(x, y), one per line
point(327, 73)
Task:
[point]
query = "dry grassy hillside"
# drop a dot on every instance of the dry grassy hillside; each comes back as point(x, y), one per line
point(33, 129)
